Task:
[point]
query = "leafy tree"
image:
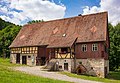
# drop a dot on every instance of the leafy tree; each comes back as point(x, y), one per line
point(4, 24)
point(35, 21)
point(7, 35)
point(114, 58)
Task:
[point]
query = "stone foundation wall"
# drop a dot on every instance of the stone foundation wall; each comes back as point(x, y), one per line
point(69, 61)
point(13, 58)
point(31, 59)
point(106, 64)
point(95, 67)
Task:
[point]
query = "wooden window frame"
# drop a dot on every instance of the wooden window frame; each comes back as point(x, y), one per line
point(84, 47)
point(24, 50)
point(95, 47)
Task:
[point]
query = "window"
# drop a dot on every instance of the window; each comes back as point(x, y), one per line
point(60, 66)
point(84, 48)
point(16, 50)
point(64, 50)
point(64, 35)
point(29, 50)
point(94, 47)
point(29, 56)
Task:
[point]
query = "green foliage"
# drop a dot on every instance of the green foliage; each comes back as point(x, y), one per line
point(7, 35)
point(4, 24)
point(35, 21)
point(114, 58)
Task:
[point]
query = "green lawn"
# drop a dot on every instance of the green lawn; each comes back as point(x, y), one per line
point(9, 76)
point(113, 77)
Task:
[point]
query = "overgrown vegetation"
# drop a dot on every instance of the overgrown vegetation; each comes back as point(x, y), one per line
point(8, 32)
point(113, 77)
point(7, 75)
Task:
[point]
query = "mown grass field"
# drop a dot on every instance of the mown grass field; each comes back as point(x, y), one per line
point(113, 77)
point(7, 75)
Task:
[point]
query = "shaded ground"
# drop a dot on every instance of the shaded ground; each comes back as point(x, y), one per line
point(37, 70)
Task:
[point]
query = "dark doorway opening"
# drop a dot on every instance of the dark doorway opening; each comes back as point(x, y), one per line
point(40, 61)
point(65, 66)
point(79, 71)
point(24, 60)
point(105, 71)
point(43, 60)
point(18, 58)
point(37, 61)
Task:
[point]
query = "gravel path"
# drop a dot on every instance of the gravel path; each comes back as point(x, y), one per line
point(37, 70)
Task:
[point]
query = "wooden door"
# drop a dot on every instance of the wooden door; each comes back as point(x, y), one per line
point(24, 60)
point(43, 60)
point(18, 58)
point(105, 71)
point(65, 66)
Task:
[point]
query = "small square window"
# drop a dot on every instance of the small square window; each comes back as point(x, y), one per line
point(64, 50)
point(84, 47)
point(60, 66)
point(29, 56)
point(91, 67)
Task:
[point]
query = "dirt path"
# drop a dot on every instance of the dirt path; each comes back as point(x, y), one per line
point(53, 75)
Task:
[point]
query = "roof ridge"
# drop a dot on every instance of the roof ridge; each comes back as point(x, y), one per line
point(70, 17)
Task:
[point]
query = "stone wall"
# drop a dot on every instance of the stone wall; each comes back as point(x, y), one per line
point(69, 61)
point(13, 58)
point(31, 59)
point(95, 67)
point(106, 64)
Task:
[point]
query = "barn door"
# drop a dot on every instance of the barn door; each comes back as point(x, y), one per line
point(24, 60)
point(18, 58)
point(41, 57)
point(65, 66)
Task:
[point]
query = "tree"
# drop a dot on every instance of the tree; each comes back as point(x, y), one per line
point(4, 24)
point(7, 35)
point(35, 21)
point(114, 58)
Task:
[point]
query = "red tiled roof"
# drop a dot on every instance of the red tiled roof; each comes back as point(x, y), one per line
point(63, 32)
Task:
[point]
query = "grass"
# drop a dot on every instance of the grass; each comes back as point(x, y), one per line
point(8, 75)
point(113, 77)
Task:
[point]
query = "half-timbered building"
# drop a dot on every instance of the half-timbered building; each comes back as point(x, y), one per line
point(78, 44)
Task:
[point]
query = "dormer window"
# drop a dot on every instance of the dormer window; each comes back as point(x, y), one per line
point(64, 35)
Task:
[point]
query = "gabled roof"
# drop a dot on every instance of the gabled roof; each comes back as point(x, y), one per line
point(63, 32)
